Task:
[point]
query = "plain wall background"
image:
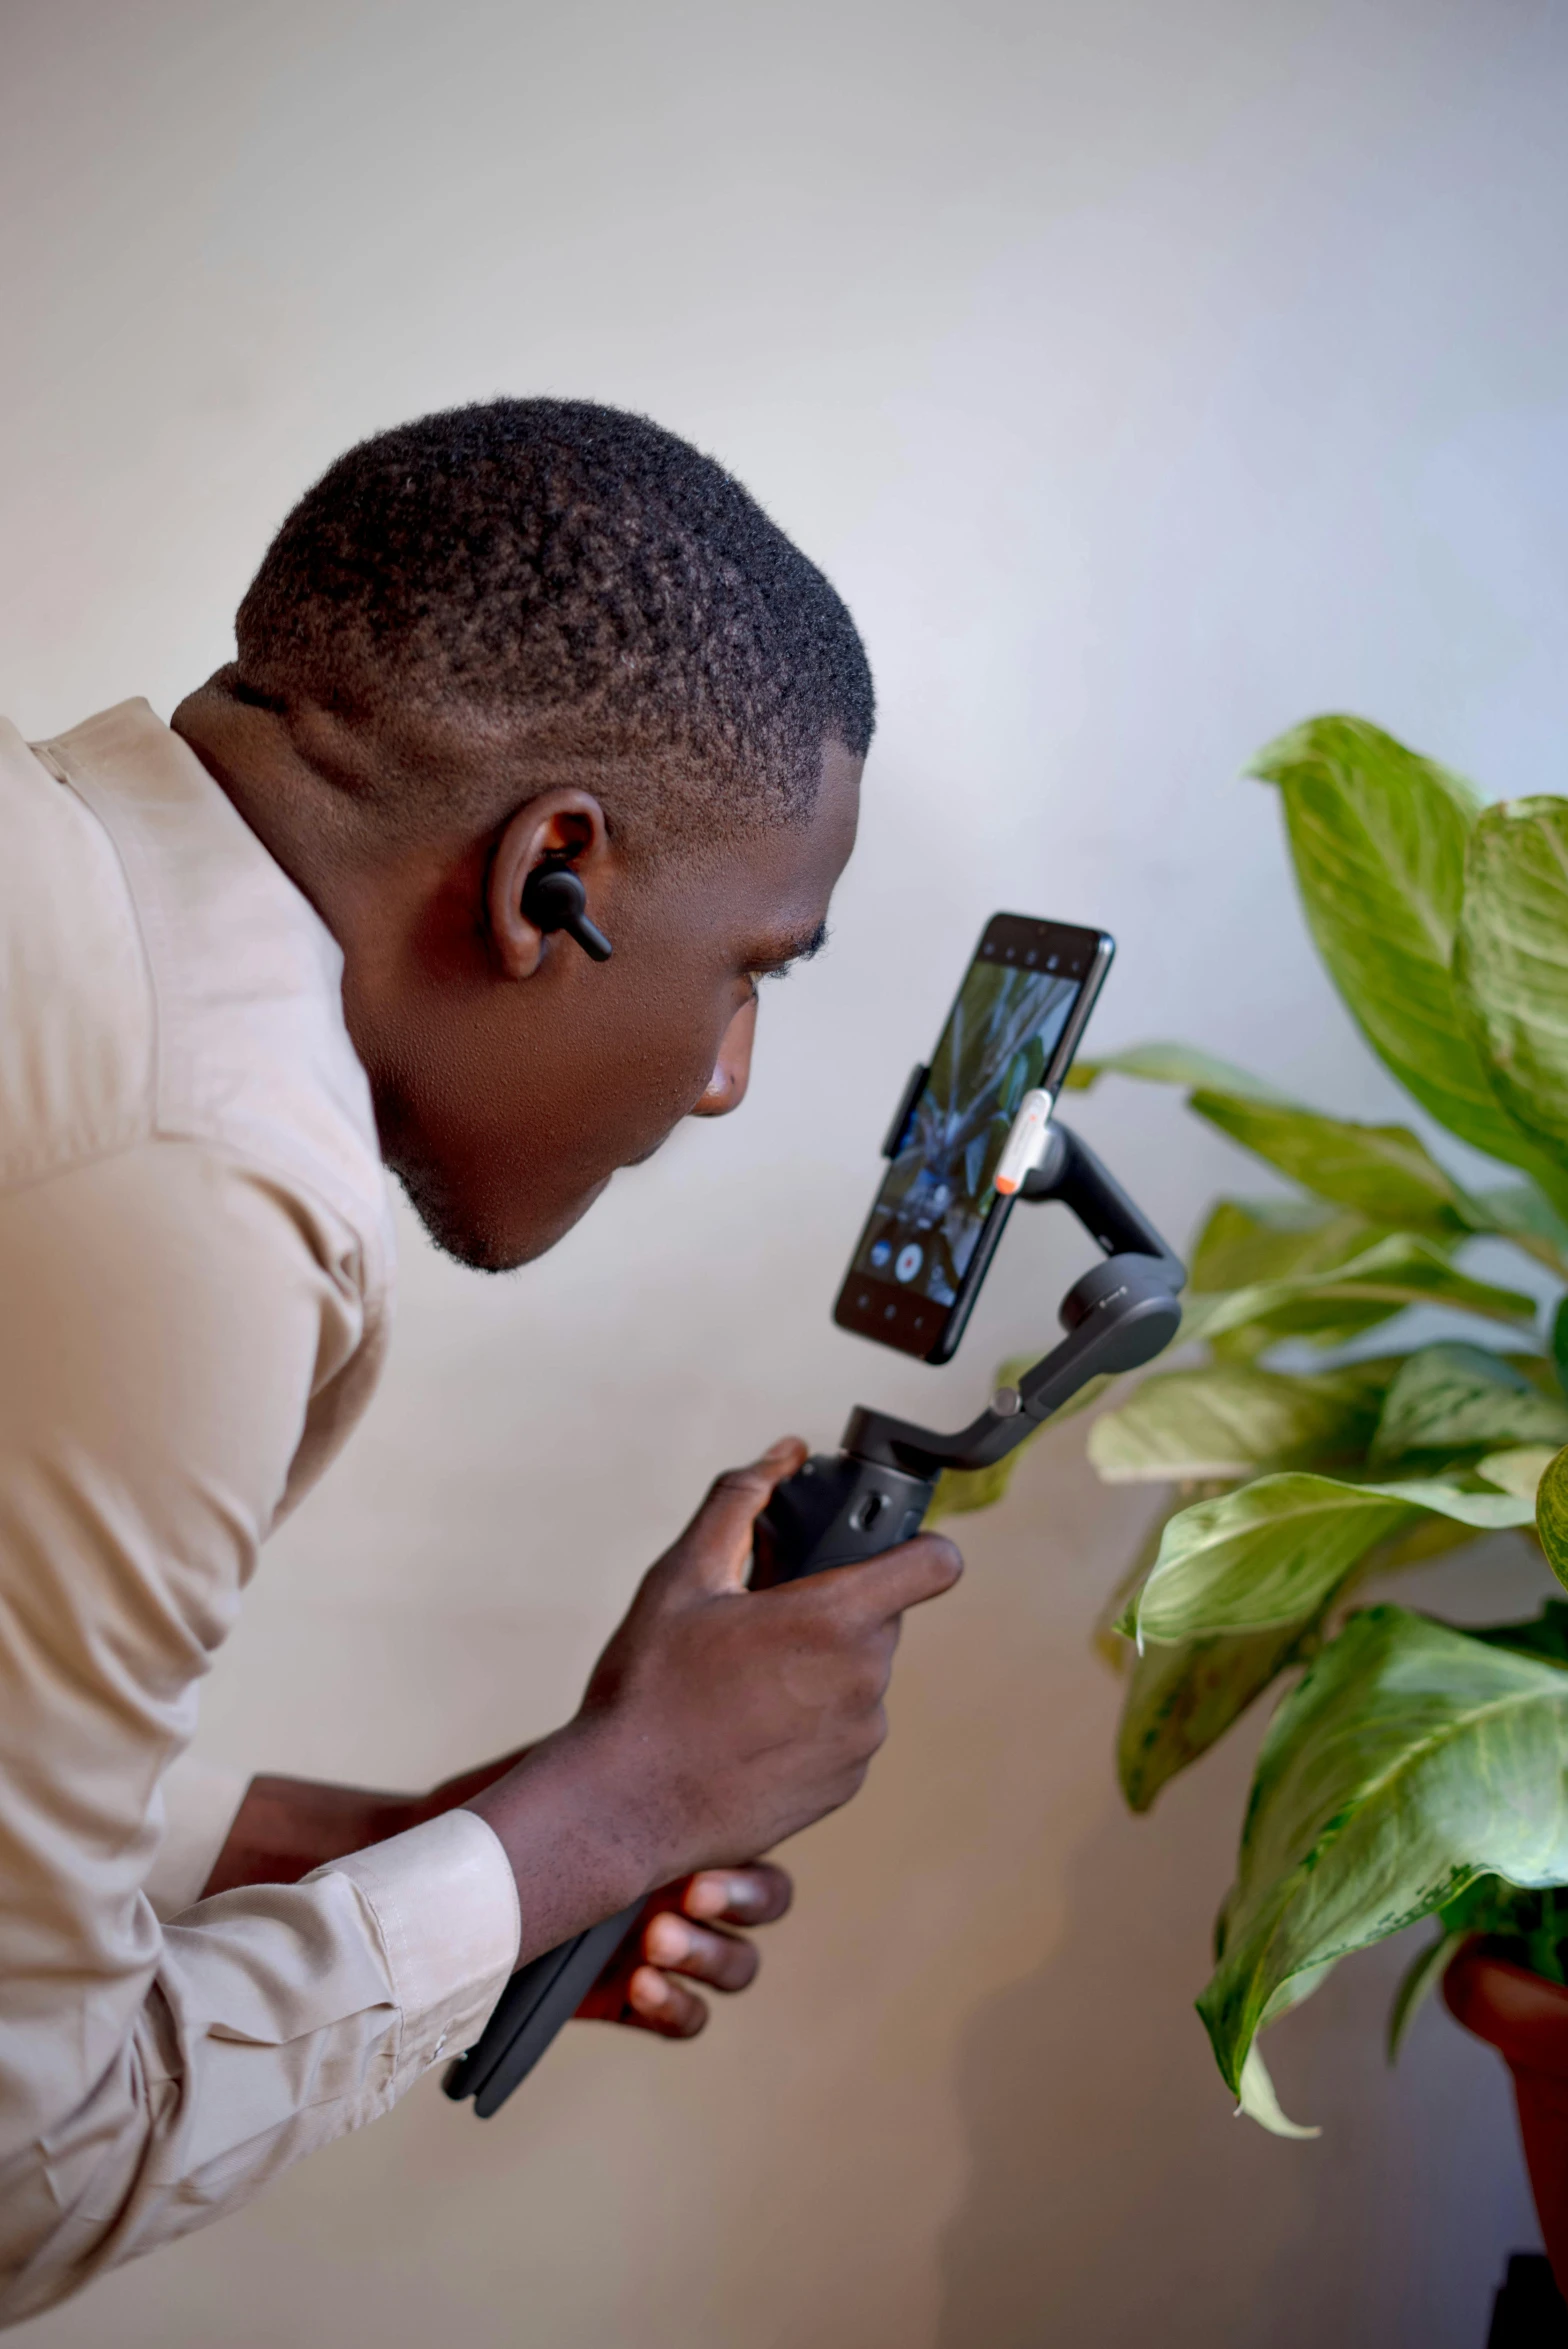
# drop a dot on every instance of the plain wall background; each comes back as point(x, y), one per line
point(1147, 374)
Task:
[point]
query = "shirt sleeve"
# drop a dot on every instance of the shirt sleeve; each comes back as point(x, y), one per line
point(169, 1317)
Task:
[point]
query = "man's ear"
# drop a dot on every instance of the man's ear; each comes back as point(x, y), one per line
point(557, 828)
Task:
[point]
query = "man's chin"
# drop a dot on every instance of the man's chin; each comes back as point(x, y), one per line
point(483, 1243)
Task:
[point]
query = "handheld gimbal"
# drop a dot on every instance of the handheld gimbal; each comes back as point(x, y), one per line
point(868, 1497)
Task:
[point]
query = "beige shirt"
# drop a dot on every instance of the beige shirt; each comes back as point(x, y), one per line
point(195, 1255)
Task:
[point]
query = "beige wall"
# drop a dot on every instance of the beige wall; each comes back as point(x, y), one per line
point(1147, 374)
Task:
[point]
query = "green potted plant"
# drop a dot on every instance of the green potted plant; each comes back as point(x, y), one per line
point(1411, 1769)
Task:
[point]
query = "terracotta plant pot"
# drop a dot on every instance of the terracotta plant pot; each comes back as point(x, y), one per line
point(1526, 2020)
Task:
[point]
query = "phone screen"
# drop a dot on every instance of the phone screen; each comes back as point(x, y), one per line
point(936, 1219)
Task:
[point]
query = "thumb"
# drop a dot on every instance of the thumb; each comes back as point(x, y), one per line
point(713, 1555)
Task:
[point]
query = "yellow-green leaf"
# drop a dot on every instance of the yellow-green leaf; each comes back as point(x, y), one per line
point(1420, 1978)
point(1449, 1399)
point(1378, 837)
point(1410, 1760)
point(1523, 1213)
point(1181, 1699)
point(1171, 1064)
point(1245, 1241)
point(1519, 1471)
point(1229, 1420)
point(1278, 1549)
point(1383, 1173)
point(1511, 965)
point(1551, 1515)
point(1376, 1282)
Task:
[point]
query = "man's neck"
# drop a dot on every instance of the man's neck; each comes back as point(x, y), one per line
point(307, 827)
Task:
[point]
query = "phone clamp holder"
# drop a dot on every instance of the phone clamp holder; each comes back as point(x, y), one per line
point(871, 1495)
point(874, 1492)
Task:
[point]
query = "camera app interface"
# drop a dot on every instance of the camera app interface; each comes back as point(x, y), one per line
point(932, 1207)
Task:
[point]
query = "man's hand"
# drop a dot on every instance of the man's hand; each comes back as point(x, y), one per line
point(717, 1722)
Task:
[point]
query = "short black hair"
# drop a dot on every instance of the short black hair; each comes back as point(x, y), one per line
point(580, 573)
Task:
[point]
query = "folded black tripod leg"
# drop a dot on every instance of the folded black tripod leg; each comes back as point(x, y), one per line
point(869, 1497)
point(539, 1998)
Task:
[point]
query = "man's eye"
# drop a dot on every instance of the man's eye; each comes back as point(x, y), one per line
point(802, 951)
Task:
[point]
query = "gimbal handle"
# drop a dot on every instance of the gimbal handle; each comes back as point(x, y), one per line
point(868, 1498)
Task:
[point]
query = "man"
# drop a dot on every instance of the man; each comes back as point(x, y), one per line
point(247, 959)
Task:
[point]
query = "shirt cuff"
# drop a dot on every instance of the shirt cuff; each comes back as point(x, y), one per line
point(200, 1801)
point(445, 1901)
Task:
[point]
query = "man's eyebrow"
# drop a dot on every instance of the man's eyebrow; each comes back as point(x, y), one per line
point(774, 960)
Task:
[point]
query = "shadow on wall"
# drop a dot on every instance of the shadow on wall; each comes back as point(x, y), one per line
point(1180, 2223)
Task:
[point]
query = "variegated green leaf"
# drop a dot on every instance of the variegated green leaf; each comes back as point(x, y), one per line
point(1367, 1287)
point(1378, 836)
point(1278, 1549)
point(1417, 1983)
point(1249, 1240)
point(1521, 1212)
point(1551, 1515)
point(1182, 1698)
point(1229, 1420)
point(1511, 966)
point(1171, 1064)
point(1450, 1399)
point(1410, 1760)
point(1382, 1173)
point(1518, 1471)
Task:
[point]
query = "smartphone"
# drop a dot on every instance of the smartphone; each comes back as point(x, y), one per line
point(935, 1223)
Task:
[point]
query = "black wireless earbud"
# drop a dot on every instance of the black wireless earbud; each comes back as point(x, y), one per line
point(554, 899)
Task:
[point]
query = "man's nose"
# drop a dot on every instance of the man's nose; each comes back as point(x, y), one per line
point(726, 1088)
